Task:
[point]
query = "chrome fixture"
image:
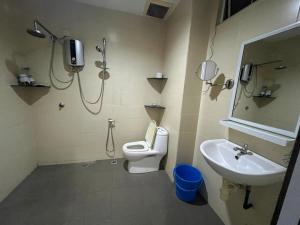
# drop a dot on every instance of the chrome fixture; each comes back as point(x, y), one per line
point(111, 153)
point(243, 151)
point(227, 85)
point(102, 50)
point(61, 105)
point(281, 67)
point(36, 32)
point(73, 61)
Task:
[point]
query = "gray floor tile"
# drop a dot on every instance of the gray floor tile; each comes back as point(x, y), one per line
point(98, 203)
point(156, 178)
point(172, 216)
point(14, 217)
point(96, 219)
point(49, 218)
point(122, 178)
point(134, 219)
point(31, 186)
point(127, 201)
point(99, 193)
point(75, 221)
point(157, 196)
point(201, 215)
point(100, 181)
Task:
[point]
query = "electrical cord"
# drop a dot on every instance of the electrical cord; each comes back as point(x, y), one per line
point(243, 90)
point(212, 43)
point(250, 93)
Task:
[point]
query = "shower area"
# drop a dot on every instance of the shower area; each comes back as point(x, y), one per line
point(73, 55)
point(91, 71)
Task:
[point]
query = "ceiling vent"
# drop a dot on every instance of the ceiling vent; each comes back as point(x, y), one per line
point(160, 9)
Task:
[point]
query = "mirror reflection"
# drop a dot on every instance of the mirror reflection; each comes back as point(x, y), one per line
point(267, 91)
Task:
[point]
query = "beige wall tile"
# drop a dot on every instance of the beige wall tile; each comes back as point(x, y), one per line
point(17, 146)
point(263, 16)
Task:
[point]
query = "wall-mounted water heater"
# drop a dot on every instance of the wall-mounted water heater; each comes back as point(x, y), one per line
point(245, 73)
point(73, 54)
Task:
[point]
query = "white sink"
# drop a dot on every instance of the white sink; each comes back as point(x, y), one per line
point(247, 170)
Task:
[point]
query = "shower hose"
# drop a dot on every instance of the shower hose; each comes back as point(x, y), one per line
point(68, 83)
point(110, 152)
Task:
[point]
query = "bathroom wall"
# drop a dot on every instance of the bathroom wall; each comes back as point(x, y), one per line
point(134, 52)
point(186, 43)
point(201, 20)
point(175, 65)
point(17, 155)
point(261, 17)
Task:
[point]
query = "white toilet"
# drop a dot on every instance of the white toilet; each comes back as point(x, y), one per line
point(145, 156)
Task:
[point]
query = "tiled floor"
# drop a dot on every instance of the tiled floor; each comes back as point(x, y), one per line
point(100, 194)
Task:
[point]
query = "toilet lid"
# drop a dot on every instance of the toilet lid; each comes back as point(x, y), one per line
point(151, 133)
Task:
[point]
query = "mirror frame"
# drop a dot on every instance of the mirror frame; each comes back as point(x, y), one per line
point(292, 134)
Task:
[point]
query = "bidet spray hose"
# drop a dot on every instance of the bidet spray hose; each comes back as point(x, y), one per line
point(110, 152)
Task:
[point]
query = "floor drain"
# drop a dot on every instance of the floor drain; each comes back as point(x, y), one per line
point(88, 164)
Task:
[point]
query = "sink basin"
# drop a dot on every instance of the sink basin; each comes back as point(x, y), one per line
point(247, 170)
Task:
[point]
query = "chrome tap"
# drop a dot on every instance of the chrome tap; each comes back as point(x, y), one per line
point(242, 151)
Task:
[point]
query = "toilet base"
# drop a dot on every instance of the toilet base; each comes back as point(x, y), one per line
point(145, 165)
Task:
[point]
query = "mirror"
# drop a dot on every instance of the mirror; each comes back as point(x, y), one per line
point(267, 92)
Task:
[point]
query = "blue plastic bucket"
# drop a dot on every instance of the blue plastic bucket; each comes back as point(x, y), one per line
point(188, 179)
point(186, 195)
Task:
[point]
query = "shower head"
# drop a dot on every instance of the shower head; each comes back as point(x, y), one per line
point(35, 31)
point(281, 67)
point(99, 49)
point(103, 53)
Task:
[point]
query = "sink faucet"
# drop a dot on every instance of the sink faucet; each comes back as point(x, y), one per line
point(243, 151)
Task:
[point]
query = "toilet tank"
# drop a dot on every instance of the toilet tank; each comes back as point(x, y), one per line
point(161, 140)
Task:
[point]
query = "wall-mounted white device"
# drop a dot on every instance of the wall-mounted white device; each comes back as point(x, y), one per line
point(73, 54)
point(246, 71)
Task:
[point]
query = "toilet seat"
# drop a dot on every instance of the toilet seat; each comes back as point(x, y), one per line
point(141, 147)
point(132, 153)
point(138, 146)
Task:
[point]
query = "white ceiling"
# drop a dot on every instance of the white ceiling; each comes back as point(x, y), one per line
point(136, 7)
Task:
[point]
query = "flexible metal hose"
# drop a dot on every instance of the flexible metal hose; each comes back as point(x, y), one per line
point(110, 152)
point(84, 101)
point(68, 83)
point(100, 94)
